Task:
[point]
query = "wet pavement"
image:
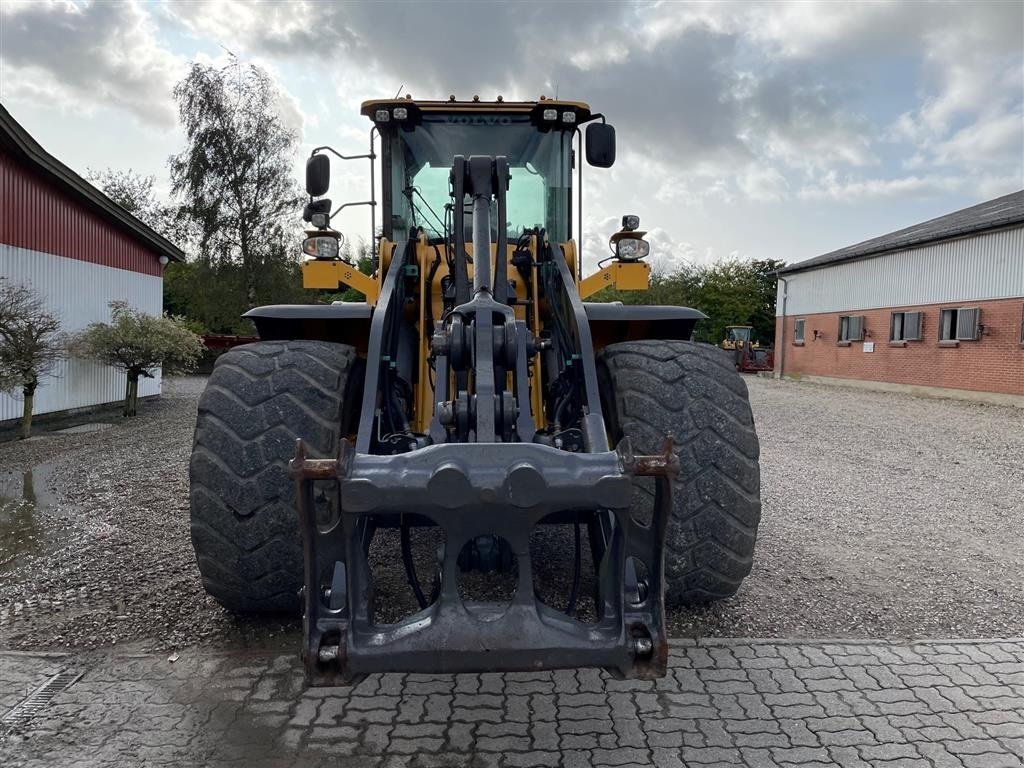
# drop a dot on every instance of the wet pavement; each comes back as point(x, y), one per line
point(726, 703)
point(27, 516)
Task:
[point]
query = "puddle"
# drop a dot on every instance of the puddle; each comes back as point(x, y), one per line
point(25, 527)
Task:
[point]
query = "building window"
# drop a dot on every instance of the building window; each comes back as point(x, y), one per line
point(798, 331)
point(905, 326)
point(851, 328)
point(960, 324)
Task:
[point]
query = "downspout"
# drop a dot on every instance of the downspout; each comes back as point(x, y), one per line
point(782, 339)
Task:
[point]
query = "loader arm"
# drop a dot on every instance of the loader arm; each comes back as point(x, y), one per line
point(483, 467)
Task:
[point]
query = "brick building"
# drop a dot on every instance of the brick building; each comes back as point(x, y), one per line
point(79, 251)
point(937, 308)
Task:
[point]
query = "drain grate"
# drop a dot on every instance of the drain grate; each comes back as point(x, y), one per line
point(25, 710)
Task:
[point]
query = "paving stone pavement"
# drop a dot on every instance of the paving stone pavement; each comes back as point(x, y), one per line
point(725, 703)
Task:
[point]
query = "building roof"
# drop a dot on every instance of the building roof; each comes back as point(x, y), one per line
point(1004, 211)
point(17, 140)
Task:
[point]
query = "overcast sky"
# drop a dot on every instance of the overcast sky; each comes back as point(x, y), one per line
point(761, 130)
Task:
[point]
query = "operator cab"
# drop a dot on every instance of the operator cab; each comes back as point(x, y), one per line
point(418, 144)
point(739, 333)
point(418, 153)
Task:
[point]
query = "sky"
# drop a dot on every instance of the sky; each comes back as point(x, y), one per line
point(777, 130)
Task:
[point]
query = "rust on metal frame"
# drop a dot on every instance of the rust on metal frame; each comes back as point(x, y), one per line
point(665, 463)
point(304, 468)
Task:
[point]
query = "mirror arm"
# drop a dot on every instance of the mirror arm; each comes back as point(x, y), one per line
point(346, 205)
point(370, 156)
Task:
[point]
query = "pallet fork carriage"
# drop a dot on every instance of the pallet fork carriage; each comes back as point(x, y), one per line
point(475, 393)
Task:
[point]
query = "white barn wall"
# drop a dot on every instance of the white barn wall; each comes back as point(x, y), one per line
point(973, 268)
point(79, 292)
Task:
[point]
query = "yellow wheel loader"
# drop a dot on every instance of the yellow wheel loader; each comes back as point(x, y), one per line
point(747, 353)
point(475, 395)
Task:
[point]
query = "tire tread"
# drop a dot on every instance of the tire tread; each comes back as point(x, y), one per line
point(694, 391)
point(243, 521)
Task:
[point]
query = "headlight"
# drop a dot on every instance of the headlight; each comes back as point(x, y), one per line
point(325, 248)
point(401, 113)
point(382, 116)
point(320, 220)
point(550, 114)
point(631, 249)
point(568, 117)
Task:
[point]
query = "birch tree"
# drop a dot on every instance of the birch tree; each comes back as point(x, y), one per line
point(235, 176)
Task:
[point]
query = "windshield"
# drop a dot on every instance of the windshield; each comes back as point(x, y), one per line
point(539, 163)
point(740, 334)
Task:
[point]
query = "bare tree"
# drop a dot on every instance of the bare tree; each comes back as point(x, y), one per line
point(138, 343)
point(30, 345)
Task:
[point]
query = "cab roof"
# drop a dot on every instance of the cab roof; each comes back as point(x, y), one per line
point(582, 109)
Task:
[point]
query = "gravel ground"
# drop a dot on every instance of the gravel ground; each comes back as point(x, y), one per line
point(121, 568)
point(884, 516)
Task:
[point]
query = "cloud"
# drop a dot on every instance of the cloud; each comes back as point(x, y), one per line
point(669, 255)
point(994, 139)
point(682, 94)
point(97, 54)
point(722, 108)
point(970, 114)
point(104, 54)
point(763, 183)
point(832, 187)
point(292, 29)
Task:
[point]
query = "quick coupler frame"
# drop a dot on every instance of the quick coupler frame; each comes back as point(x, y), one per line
point(470, 490)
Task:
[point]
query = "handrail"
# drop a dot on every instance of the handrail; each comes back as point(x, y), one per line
point(372, 202)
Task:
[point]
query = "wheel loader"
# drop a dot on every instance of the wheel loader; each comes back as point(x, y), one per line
point(747, 353)
point(477, 398)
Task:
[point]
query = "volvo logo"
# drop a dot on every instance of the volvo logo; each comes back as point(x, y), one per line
point(478, 120)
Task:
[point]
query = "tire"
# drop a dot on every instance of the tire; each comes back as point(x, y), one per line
point(651, 388)
point(259, 399)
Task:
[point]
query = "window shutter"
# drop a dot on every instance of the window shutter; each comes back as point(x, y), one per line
point(856, 328)
point(912, 326)
point(967, 324)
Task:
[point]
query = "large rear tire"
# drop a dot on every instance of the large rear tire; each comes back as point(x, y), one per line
point(259, 399)
point(650, 388)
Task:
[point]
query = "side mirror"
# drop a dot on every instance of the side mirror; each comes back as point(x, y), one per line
point(318, 175)
point(601, 145)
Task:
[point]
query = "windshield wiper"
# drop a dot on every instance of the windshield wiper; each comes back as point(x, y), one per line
point(408, 193)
